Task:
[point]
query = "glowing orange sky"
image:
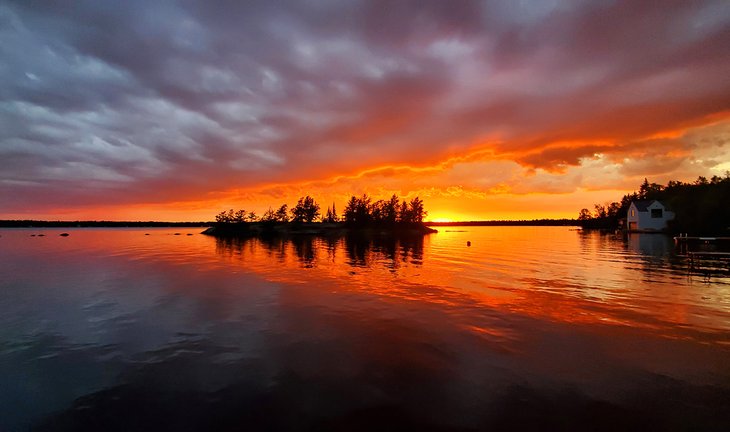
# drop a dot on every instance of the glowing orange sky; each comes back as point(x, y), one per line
point(492, 110)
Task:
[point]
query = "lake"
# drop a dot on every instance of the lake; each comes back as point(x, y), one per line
point(529, 328)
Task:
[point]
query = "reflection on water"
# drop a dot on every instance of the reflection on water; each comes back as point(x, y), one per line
point(655, 245)
point(526, 329)
point(360, 251)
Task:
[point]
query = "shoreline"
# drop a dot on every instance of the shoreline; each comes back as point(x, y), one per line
point(255, 229)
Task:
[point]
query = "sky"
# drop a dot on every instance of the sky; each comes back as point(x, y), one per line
point(140, 110)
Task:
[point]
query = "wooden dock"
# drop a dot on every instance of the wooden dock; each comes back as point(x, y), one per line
point(684, 244)
point(699, 260)
point(685, 239)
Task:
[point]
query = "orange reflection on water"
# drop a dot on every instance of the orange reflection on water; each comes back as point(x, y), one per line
point(552, 274)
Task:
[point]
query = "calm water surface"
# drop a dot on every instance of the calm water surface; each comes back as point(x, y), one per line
point(528, 329)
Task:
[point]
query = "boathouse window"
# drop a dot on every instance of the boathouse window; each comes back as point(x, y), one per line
point(656, 213)
point(633, 213)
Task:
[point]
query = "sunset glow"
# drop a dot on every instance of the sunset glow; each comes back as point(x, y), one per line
point(491, 110)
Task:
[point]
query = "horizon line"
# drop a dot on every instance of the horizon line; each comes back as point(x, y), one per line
point(101, 221)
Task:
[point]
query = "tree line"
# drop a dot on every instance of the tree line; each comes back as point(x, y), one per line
point(700, 207)
point(358, 211)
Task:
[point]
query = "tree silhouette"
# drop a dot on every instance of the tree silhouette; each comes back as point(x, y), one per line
point(651, 191)
point(230, 217)
point(390, 210)
point(269, 216)
point(404, 213)
point(350, 211)
point(306, 210)
point(221, 217)
point(331, 215)
point(417, 211)
point(282, 214)
point(376, 211)
point(362, 212)
point(358, 210)
point(240, 216)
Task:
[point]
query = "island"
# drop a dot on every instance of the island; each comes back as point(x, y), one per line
point(361, 216)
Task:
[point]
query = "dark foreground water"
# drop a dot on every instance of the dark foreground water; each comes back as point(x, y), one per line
point(528, 329)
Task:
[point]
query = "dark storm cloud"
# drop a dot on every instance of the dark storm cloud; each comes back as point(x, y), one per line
point(137, 101)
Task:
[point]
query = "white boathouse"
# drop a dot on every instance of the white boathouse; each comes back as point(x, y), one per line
point(647, 216)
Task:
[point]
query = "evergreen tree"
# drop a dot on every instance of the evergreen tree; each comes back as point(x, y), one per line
point(331, 215)
point(306, 210)
point(282, 214)
point(349, 214)
point(404, 214)
point(390, 210)
point(417, 211)
point(269, 216)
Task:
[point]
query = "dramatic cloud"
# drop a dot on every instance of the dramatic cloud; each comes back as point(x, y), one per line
point(177, 108)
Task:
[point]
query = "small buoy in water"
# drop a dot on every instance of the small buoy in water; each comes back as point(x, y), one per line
point(468, 243)
point(64, 234)
point(189, 234)
point(32, 235)
point(41, 235)
point(146, 233)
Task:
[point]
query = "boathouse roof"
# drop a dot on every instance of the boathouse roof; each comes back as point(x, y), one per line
point(643, 205)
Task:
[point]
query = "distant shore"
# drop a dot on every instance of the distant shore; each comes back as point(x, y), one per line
point(161, 224)
point(533, 222)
